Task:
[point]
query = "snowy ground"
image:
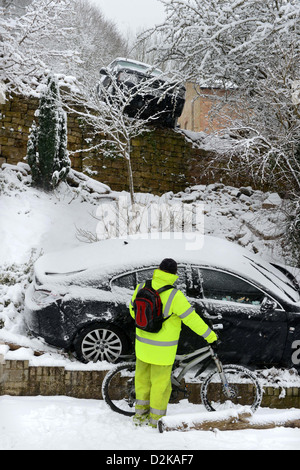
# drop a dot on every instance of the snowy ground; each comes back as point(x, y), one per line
point(31, 223)
point(63, 423)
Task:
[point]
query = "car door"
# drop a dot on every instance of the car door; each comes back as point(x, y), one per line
point(252, 326)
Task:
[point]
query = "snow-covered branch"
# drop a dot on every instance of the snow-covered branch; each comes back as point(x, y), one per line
point(24, 42)
point(251, 50)
point(64, 36)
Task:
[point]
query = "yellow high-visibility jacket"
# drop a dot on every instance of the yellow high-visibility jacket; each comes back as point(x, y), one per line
point(160, 348)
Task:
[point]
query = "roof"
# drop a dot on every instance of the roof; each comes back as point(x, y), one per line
point(132, 61)
point(115, 256)
point(135, 65)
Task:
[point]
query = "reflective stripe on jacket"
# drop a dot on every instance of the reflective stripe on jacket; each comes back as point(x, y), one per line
point(160, 348)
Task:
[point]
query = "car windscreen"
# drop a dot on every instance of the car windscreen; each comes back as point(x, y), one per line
point(279, 279)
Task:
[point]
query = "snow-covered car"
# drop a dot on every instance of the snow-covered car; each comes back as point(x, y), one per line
point(148, 92)
point(79, 298)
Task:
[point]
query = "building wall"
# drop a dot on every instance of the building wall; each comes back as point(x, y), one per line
point(198, 113)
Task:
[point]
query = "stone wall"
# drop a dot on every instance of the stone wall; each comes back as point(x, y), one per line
point(16, 117)
point(18, 378)
point(162, 159)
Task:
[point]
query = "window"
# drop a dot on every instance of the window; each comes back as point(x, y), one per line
point(127, 281)
point(131, 280)
point(194, 283)
point(144, 275)
point(181, 281)
point(219, 285)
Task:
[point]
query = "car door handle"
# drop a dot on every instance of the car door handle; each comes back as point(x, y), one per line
point(212, 317)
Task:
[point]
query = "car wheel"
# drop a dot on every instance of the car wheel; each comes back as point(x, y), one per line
point(100, 342)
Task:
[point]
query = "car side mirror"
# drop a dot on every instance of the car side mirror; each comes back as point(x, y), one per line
point(268, 305)
point(103, 71)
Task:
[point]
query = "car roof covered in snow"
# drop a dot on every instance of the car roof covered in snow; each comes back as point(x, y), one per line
point(121, 62)
point(111, 257)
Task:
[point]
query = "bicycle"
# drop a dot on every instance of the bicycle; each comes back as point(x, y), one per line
point(224, 386)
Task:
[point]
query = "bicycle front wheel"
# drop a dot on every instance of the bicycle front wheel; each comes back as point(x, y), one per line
point(118, 389)
point(242, 389)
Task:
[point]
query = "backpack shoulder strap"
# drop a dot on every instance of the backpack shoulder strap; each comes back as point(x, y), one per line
point(163, 289)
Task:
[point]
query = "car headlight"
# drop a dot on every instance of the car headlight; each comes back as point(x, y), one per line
point(128, 77)
point(44, 297)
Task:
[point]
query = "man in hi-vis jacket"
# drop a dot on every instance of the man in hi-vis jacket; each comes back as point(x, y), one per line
point(155, 352)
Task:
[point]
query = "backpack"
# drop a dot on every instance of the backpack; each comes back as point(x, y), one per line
point(148, 308)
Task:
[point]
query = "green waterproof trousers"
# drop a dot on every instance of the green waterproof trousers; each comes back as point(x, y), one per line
point(153, 389)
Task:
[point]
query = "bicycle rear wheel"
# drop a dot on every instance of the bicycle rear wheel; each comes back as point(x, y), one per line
point(243, 389)
point(118, 389)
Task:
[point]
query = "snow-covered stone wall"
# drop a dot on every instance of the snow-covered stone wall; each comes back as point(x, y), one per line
point(162, 160)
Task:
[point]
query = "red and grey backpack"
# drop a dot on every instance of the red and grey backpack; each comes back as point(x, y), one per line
point(148, 308)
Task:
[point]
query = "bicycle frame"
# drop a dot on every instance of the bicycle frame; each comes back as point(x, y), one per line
point(200, 356)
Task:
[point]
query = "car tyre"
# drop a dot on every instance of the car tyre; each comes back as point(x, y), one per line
point(100, 342)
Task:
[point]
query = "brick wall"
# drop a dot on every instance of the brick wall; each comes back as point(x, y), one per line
point(162, 159)
point(18, 378)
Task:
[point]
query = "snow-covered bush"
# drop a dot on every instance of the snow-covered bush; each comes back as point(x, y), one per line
point(14, 280)
point(47, 153)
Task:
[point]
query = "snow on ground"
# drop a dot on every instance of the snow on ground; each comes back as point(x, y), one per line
point(32, 223)
point(64, 423)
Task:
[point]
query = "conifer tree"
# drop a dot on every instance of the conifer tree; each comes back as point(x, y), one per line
point(47, 153)
point(33, 157)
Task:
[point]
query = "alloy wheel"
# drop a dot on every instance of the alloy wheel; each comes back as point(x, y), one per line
point(101, 345)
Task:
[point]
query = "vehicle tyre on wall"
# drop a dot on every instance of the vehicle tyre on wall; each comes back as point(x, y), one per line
point(100, 342)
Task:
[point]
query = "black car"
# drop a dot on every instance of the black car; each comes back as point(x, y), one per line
point(79, 299)
point(144, 91)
